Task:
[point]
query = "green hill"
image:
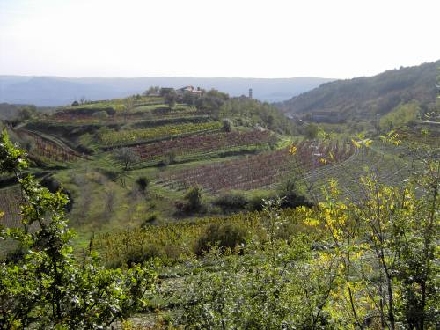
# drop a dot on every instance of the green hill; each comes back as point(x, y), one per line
point(366, 99)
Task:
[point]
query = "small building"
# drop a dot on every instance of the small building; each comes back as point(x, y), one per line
point(190, 89)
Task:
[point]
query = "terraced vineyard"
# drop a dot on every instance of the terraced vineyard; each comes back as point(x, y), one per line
point(203, 143)
point(118, 138)
point(381, 161)
point(257, 171)
point(43, 148)
point(117, 112)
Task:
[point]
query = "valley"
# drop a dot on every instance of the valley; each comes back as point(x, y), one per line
point(196, 209)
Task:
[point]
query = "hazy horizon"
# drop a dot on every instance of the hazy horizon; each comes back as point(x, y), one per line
point(171, 38)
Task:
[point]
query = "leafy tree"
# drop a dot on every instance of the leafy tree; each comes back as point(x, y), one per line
point(27, 112)
point(126, 157)
point(211, 102)
point(384, 249)
point(142, 184)
point(47, 287)
point(193, 199)
point(311, 131)
point(227, 125)
point(151, 91)
point(290, 191)
point(129, 104)
point(170, 96)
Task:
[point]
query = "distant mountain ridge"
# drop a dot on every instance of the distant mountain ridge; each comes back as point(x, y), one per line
point(366, 98)
point(57, 91)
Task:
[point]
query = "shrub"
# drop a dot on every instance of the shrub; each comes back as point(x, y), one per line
point(289, 191)
point(256, 202)
point(231, 202)
point(193, 199)
point(227, 125)
point(221, 235)
point(142, 183)
point(151, 219)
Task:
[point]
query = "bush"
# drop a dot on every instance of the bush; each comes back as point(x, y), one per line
point(193, 199)
point(221, 235)
point(256, 202)
point(289, 191)
point(151, 219)
point(231, 202)
point(142, 183)
point(227, 125)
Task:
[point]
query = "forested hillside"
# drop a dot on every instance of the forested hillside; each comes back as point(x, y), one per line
point(366, 99)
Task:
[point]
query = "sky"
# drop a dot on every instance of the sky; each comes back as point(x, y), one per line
point(213, 38)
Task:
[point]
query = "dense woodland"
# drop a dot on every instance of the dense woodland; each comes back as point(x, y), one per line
point(176, 209)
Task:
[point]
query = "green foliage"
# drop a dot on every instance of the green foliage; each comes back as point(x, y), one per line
point(231, 202)
point(360, 99)
point(311, 131)
point(227, 125)
point(400, 116)
point(193, 199)
point(27, 113)
point(221, 235)
point(142, 184)
point(250, 113)
point(290, 191)
point(48, 287)
point(170, 97)
point(126, 157)
point(211, 102)
point(270, 286)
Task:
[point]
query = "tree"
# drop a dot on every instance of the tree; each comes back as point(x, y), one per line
point(129, 104)
point(311, 131)
point(126, 157)
point(47, 287)
point(28, 112)
point(193, 198)
point(212, 102)
point(227, 125)
point(142, 184)
point(171, 99)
